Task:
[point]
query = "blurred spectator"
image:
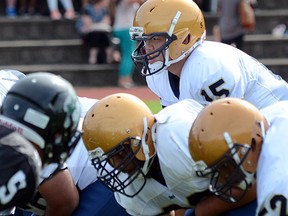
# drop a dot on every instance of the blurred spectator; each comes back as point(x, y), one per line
point(254, 4)
point(204, 5)
point(231, 31)
point(27, 7)
point(123, 20)
point(54, 9)
point(94, 27)
point(84, 3)
point(280, 31)
point(11, 8)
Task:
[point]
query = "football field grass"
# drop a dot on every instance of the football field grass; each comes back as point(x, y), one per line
point(154, 105)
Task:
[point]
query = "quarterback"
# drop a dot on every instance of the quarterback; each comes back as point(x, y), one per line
point(179, 63)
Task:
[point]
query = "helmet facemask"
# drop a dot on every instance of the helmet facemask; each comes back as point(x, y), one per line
point(227, 172)
point(116, 133)
point(173, 50)
point(118, 176)
point(136, 159)
point(141, 58)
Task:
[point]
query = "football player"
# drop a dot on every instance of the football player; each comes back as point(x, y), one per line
point(179, 63)
point(8, 78)
point(44, 108)
point(145, 159)
point(78, 169)
point(20, 163)
point(20, 166)
point(237, 144)
point(81, 181)
point(94, 198)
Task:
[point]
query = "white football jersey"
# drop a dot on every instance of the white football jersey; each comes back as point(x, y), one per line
point(86, 104)
point(159, 83)
point(79, 164)
point(272, 172)
point(7, 80)
point(176, 164)
point(215, 70)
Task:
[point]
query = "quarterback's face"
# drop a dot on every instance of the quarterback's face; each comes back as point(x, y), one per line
point(154, 44)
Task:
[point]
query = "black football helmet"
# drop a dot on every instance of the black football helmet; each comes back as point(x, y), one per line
point(44, 108)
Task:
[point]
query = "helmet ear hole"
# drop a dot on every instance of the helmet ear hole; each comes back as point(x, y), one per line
point(187, 39)
point(253, 145)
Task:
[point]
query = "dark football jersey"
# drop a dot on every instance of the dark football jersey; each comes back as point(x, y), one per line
point(20, 167)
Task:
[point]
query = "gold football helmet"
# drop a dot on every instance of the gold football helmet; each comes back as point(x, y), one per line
point(117, 135)
point(226, 140)
point(180, 22)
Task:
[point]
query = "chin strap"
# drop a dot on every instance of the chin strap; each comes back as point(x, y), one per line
point(148, 159)
point(170, 32)
point(145, 147)
point(249, 177)
point(263, 131)
point(185, 54)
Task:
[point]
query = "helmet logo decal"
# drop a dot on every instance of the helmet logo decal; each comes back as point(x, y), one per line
point(72, 111)
point(95, 153)
point(23, 130)
point(36, 118)
point(136, 32)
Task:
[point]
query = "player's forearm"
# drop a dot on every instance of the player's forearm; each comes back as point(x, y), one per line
point(180, 212)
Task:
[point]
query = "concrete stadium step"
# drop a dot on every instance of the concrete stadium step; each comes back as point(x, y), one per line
point(80, 74)
point(266, 20)
point(266, 46)
point(268, 4)
point(71, 51)
point(42, 28)
point(277, 66)
point(43, 52)
point(43, 8)
point(35, 28)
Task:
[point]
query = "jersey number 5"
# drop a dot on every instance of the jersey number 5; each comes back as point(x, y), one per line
point(15, 183)
point(216, 90)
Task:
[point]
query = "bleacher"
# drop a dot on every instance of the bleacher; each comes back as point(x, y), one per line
point(36, 43)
